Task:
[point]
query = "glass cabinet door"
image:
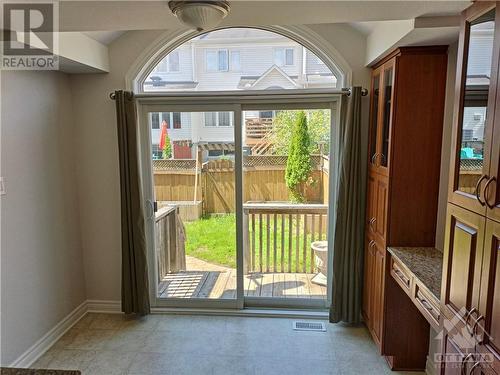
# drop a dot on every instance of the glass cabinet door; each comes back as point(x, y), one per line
point(474, 117)
point(388, 78)
point(375, 97)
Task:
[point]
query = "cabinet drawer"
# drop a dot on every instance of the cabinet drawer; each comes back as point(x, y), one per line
point(401, 275)
point(427, 304)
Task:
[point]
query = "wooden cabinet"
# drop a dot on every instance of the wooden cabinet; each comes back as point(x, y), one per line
point(406, 121)
point(374, 287)
point(488, 320)
point(491, 188)
point(382, 96)
point(377, 206)
point(475, 155)
point(464, 242)
point(470, 296)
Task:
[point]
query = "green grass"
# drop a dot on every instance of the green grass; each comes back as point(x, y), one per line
point(213, 239)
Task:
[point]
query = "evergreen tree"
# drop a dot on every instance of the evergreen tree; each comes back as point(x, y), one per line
point(167, 148)
point(298, 167)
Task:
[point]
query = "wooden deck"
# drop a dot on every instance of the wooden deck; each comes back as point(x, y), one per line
point(205, 280)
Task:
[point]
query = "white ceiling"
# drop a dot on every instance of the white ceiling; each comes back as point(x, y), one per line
point(142, 15)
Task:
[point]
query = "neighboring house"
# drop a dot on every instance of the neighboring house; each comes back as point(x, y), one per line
point(232, 59)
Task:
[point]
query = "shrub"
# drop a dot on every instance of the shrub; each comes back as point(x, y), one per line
point(298, 167)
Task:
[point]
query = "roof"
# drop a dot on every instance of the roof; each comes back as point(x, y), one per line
point(249, 82)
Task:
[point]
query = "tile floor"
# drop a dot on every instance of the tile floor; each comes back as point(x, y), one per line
point(108, 344)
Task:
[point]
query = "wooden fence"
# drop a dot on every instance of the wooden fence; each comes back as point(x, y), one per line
point(263, 180)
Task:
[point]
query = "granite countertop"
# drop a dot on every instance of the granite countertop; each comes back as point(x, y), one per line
point(426, 263)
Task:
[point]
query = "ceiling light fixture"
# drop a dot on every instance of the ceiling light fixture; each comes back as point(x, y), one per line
point(200, 15)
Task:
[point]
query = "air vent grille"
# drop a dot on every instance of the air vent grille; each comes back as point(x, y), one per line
point(309, 326)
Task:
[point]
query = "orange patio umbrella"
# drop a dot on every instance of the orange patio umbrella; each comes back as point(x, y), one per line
point(163, 135)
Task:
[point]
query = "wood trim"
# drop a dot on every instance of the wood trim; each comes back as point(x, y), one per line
point(439, 49)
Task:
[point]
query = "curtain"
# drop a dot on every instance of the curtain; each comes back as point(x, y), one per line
point(348, 237)
point(135, 288)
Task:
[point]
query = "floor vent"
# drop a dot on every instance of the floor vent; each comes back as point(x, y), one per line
point(309, 326)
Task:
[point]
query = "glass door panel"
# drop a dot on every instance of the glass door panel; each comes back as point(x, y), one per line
point(388, 77)
point(375, 97)
point(285, 204)
point(193, 166)
point(474, 117)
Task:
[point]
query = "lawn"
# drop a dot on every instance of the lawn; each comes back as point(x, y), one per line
point(213, 239)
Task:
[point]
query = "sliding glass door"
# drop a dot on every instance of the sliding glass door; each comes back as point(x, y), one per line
point(238, 200)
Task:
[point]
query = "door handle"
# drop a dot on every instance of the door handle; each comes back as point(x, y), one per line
point(485, 191)
point(476, 190)
point(474, 327)
point(471, 370)
point(464, 361)
point(467, 316)
point(152, 209)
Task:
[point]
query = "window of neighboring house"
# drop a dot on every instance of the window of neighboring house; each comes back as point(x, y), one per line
point(235, 61)
point(223, 60)
point(169, 64)
point(217, 61)
point(173, 61)
point(210, 118)
point(266, 114)
point(155, 121)
point(176, 120)
point(222, 119)
point(165, 116)
point(173, 119)
point(283, 56)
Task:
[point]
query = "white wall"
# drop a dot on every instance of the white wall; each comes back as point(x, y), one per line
point(98, 175)
point(42, 277)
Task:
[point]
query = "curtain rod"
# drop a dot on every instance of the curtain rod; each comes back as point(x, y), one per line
point(343, 91)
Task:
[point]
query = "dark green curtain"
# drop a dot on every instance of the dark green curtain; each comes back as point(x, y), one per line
point(135, 288)
point(349, 214)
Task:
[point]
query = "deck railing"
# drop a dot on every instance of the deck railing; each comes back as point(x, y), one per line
point(258, 128)
point(169, 241)
point(278, 237)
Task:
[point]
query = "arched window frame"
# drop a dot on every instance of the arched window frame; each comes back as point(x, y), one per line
point(302, 35)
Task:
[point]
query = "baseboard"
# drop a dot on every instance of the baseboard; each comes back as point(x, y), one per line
point(103, 306)
point(26, 359)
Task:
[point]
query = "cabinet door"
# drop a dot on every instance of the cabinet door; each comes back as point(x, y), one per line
point(488, 323)
point(371, 203)
point(378, 291)
point(384, 135)
point(374, 118)
point(455, 361)
point(464, 240)
point(368, 281)
point(380, 223)
point(474, 107)
point(491, 189)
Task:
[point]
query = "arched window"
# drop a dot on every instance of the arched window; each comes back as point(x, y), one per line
point(241, 59)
